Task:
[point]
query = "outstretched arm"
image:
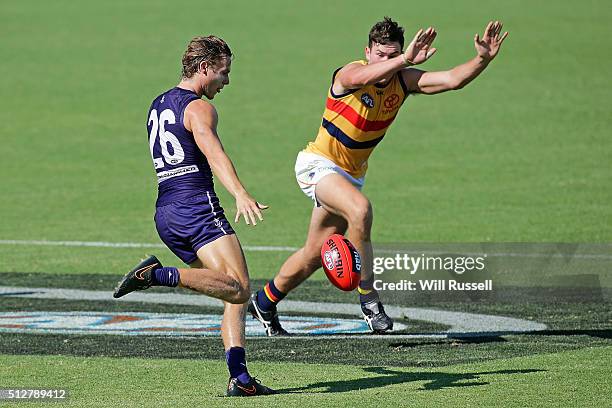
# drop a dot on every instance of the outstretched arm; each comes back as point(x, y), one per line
point(354, 76)
point(461, 75)
point(201, 119)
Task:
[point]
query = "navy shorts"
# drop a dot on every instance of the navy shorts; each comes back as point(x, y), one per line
point(187, 225)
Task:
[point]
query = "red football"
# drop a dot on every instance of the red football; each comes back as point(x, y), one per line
point(341, 262)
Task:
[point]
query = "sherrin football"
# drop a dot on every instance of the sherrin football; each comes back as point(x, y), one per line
point(341, 262)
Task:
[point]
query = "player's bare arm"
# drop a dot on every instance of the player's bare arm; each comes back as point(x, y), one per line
point(392, 59)
point(201, 119)
point(487, 49)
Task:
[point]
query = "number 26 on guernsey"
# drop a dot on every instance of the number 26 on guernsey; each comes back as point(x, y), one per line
point(165, 138)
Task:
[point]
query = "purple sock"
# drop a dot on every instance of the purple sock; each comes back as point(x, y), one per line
point(236, 363)
point(166, 276)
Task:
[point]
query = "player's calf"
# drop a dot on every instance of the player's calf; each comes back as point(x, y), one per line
point(298, 267)
point(223, 283)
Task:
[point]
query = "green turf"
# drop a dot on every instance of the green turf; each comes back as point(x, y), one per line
point(573, 322)
point(406, 352)
point(521, 155)
point(113, 262)
point(575, 378)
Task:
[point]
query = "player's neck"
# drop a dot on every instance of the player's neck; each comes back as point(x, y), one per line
point(191, 85)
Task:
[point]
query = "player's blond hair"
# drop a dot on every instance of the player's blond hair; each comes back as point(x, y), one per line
point(210, 49)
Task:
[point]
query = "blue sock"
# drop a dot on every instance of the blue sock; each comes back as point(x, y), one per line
point(269, 296)
point(236, 363)
point(166, 276)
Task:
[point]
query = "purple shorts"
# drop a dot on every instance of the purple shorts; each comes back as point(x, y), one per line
point(187, 225)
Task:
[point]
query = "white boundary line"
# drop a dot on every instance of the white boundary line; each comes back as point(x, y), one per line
point(459, 322)
point(101, 244)
point(263, 248)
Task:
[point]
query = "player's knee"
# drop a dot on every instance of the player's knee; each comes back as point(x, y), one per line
point(360, 217)
point(241, 292)
point(240, 296)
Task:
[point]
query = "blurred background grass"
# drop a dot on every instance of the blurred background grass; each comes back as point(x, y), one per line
point(522, 154)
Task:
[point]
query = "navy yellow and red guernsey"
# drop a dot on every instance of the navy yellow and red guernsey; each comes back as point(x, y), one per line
point(356, 121)
point(182, 169)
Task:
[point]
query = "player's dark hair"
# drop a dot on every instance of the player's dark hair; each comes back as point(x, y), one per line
point(210, 49)
point(385, 32)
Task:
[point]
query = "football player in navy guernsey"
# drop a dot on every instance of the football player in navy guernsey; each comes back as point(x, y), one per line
point(363, 100)
point(186, 151)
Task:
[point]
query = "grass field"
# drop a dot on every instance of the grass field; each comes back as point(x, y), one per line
point(562, 379)
point(521, 155)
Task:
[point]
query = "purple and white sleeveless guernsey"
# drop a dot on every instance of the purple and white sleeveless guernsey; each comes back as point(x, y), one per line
point(182, 169)
point(188, 214)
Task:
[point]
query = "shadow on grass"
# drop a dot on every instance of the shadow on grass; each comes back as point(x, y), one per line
point(434, 380)
point(600, 333)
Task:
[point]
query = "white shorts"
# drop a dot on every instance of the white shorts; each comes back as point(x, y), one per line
point(310, 168)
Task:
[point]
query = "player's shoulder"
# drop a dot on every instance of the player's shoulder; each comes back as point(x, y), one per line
point(200, 112)
point(358, 62)
point(337, 89)
point(201, 107)
point(351, 65)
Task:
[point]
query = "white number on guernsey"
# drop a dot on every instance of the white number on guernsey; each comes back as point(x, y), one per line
point(165, 137)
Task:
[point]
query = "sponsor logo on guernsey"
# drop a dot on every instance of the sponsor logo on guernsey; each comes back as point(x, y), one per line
point(367, 100)
point(391, 101)
point(179, 171)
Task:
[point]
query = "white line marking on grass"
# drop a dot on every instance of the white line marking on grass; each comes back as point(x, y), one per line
point(100, 244)
point(459, 322)
point(272, 248)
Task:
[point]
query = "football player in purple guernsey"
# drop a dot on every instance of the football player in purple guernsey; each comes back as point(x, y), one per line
point(186, 151)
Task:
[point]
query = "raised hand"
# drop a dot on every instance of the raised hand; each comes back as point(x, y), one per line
point(488, 47)
point(419, 51)
point(247, 207)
